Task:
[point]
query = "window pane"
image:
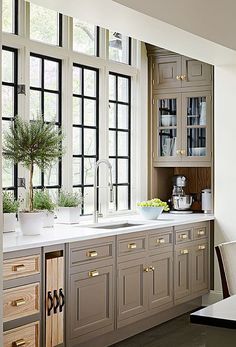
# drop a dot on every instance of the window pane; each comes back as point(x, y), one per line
point(118, 47)
point(112, 87)
point(123, 89)
point(123, 141)
point(89, 82)
point(90, 112)
point(76, 171)
point(51, 175)
point(35, 104)
point(123, 116)
point(122, 197)
point(113, 164)
point(35, 72)
point(77, 110)
point(5, 128)
point(7, 101)
point(112, 143)
point(37, 176)
point(89, 164)
point(43, 24)
point(50, 107)
point(88, 200)
point(112, 115)
point(51, 74)
point(84, 37)
point(123, 165)
point(8, 16)
point(7, 66)
point(7, 173)
point(77, 80)
point(77, 138)
point(90, 142)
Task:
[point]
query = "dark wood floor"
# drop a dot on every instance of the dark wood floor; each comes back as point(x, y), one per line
point(179, 332)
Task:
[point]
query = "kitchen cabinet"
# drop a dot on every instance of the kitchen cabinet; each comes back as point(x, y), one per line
point(182, 272)
point(200, 264)
point(182, 129)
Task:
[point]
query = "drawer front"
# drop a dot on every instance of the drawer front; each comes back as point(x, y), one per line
point(91, 253)
point(184, 235)
point(131, 245)
point(21, 301)
point(160, 240)
point(200, 232)
point(24, 336)
point(20, 267)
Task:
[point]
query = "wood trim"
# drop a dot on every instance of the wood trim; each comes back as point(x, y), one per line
point(21, 267)
point(222, 273)
point(28, 333)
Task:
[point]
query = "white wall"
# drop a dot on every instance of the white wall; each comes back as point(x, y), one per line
point(1, 216)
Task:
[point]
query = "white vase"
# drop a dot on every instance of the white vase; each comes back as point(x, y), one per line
point(31, 223)
point(68, 215)
point(48, 219)
point(9, 222)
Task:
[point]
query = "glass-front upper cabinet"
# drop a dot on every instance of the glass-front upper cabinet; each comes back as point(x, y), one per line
point(167, 126)
point(196, 124)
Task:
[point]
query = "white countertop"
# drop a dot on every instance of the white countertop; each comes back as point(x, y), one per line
point(62, 233)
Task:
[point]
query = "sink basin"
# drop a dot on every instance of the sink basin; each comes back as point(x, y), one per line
point(116, 226)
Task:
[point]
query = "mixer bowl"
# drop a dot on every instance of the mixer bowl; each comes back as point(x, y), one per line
point(182, 203)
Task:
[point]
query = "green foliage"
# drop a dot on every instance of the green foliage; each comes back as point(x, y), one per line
point(154, 203)
point(67, 199)
point(10, 205)
point(43, 201)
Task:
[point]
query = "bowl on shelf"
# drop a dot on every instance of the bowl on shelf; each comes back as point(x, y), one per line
point(149, 212)
point(198, 151)
point(166, 120)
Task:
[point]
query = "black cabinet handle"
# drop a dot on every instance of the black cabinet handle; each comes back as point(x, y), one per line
point(50, 301)
point(56, 298)
point(62, 299)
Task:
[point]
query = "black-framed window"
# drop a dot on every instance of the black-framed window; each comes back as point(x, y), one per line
point(45, 25)
point(85, 131)
point(46, 101)
point(119, 137)
point(10, 16)
point(119, 47)
point(9, 111)
point(85, 37)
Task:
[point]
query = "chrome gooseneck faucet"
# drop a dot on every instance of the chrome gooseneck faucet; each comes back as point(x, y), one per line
point(108, 164)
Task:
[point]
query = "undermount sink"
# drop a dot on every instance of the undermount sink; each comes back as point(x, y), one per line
point(116, 226)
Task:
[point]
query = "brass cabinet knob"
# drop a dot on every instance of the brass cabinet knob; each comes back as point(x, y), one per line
point(201, 233)
point(19, 302)
point(183, 77)
point(151, 268)
point(93, 273)
point(178, 77)
point(146, 269)
point(183, 236)
point(201, 247)
point(160, 241)
point(184, 251)
point(182, 152)
point(178, 152)
point(132, 245)
point(19, 267)
point(92, 254)
point(19, 343)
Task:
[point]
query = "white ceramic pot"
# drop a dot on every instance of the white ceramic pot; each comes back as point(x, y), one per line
point(9, 222)
point(48, 219)
point(68, 215)
point(31, 223)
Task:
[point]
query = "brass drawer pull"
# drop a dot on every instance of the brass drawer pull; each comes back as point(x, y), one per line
point(183, 236)
point(178, 78)
point(19, 302)
point(202, 247)
point(184, 251)
point(19, 267)
point(146, 269)
point(183, 77)
point(201, 233)
point(19, 343)
point(151, 268)
point(161, 241)
point(93, 273)
point(92, 254)
point(132, 245)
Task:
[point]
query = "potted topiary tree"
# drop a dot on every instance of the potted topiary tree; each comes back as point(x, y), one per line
point(10, 208)
point(32, 143)
point(68, 210)
point(43, 202)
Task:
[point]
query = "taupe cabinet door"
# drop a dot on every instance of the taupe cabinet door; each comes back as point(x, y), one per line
point(161, 283)
point(182, 271)
point(195, 73)
point(200, 264)
point(132, 289)
point(91, 307)
point(166, 71)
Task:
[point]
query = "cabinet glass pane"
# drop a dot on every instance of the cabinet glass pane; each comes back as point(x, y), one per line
point(167, 112)
point(196, 110)
point(167, 140)
point(196, 142)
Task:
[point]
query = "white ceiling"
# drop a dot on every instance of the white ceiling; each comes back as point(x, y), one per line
point(212, 19)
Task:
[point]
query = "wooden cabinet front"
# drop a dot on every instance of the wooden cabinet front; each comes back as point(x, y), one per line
point(195, 73)
point(200, 267)
point(91, 300)
point(182, 272)
point(24, 336)
point(167, 72)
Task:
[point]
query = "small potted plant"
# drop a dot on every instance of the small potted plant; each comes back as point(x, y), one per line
point(43, 202)
point(152, 209)
point(69, 204)
point(32, 143)
point(10, 208)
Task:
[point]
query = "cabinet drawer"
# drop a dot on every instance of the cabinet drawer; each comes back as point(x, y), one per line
point(200, 232)
point(184, 235)
point(91, 252)
point(20, 267)
point(21, 301)
point(24, 336)
point(160, 240)
point(131, 245)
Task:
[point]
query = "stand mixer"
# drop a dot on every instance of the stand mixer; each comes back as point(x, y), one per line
point(180, 202)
